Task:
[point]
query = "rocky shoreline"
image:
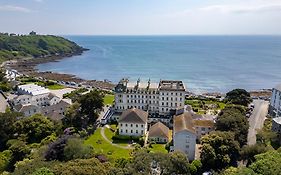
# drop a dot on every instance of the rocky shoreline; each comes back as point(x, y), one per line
point(27, 67)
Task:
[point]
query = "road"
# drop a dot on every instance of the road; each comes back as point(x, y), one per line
point(256, 120)
point(3, 103)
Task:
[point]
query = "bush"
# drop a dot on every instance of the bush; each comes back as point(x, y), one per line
point(124, 138)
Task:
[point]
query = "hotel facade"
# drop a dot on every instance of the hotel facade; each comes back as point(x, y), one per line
point(162, 98)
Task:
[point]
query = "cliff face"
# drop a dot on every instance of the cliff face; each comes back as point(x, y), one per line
point(36, 46)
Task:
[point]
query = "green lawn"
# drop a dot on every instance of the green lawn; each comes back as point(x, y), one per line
point(55, 87)
point(156, 148)
point(102, 146)
point(202, 105)
point(108, 99)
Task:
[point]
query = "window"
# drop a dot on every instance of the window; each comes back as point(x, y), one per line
point(142, 126)
point(131, 131)
point(136, 125)
point(126, 124)
point(131, 125)
point(121, 131)
point(137, 131)
point(121, 124)
point(141, 131)
point(126, 131)
point(187, 146)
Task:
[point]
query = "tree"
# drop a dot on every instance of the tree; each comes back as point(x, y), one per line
point(55, 150)
point(73, 117)
point(219, 150)
point(34, 128)
point(6, 127)
point(238, 97)
point(232, 119)
point(85, 111)
point(19, 151)
point(81, 166)
point(2, 75)
point(43, 171)
point(91, 105)
point(266, 136)
point(248, 152)
point(267, 163)
point(5, 158)
point(75, 149)
point(238, 171)
point(144, 162)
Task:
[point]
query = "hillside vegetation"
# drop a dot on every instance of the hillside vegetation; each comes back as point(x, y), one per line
point(34, 46)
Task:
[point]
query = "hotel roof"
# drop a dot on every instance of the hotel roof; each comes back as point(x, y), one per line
point(171, 85)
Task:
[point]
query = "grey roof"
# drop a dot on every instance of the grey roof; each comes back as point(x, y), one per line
point(55, 107)
point(22, 97)
point(159, 130)
point(134, 116)
point(51, 95)
point(23, 108)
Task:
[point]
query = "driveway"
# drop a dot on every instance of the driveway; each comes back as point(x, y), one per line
point(256, 120)
point(3, 104)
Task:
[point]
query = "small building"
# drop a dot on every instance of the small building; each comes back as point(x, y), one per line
point(27, 109)
point(158, 133)
point(133, 122)
point(56, 111)
point(203, 127)
point(184, 135)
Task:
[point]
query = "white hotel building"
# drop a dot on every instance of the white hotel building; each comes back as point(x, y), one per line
point(163, 98)
point(275, 102)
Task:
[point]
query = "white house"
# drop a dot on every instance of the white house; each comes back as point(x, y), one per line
point(163, 98)
point(275, 102)
point(184, 135)
point(133, 122)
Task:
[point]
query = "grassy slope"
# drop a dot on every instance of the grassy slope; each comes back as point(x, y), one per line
point(108, 99)
point(16, 47)
point(102, 146)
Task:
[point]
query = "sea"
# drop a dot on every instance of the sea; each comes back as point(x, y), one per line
point(203, 63)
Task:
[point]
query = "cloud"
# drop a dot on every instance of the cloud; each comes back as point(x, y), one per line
point(243, 8)
point(12, 8)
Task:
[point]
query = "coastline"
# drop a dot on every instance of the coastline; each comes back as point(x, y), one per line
point(27, 66)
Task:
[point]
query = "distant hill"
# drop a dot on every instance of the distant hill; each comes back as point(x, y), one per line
point(21, 46)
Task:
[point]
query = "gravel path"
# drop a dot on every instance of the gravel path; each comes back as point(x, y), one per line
point(106, 139)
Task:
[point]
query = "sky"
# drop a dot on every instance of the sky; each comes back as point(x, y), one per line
point(141, 17)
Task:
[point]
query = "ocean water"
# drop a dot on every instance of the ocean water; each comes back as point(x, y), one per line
point(204, 63)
